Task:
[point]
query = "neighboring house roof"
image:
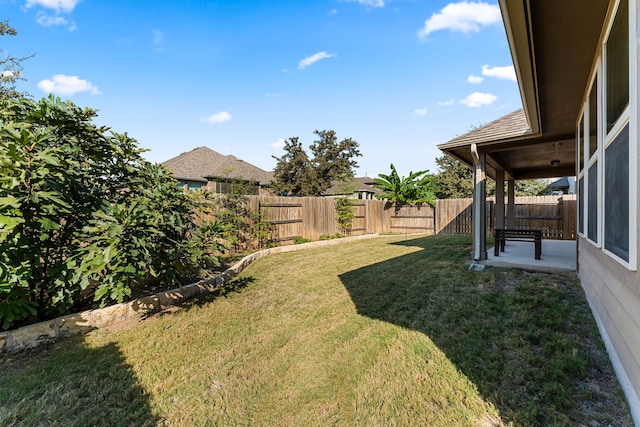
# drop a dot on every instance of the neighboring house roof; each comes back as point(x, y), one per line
point(360, 184)
point(560, 184)
point(202, 163)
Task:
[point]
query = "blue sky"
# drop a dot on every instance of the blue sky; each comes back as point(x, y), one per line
point(398, 76)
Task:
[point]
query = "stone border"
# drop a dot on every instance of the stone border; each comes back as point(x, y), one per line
point(31, 336)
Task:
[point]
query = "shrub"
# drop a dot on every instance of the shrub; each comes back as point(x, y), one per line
point(331, 236)
point(81, 209)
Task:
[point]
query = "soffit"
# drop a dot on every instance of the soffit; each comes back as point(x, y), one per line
point(553, 46)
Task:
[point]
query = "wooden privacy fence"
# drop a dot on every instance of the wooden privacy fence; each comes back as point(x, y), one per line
point(555, 215)
point(313, 217)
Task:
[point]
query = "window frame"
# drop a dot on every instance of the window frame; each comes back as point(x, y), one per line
point(628, 117)
point(594, 158)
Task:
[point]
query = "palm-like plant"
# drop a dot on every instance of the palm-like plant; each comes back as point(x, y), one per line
point(418, 187)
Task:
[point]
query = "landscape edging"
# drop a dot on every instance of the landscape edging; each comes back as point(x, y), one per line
point(31, 336)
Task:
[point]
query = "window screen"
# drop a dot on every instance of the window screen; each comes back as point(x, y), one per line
point(592, 204)
point(617, 65)
point(616, 195)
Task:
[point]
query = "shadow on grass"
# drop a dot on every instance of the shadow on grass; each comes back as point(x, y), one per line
point(72, 384)
point(526, 340)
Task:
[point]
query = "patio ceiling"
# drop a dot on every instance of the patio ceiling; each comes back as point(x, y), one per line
point(553, 45)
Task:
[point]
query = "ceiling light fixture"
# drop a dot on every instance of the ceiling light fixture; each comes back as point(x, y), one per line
point(556, 162)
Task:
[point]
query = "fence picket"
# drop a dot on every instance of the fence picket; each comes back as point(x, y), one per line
point(313, 217)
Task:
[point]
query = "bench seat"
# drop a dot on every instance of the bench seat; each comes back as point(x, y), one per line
point(501, 235)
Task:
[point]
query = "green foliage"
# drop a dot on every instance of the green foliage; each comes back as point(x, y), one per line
point(454, 179)
point(530, 187)
point(81, 212)
point(10, 67)
point(331, 236)
point(418, 187)
point(296, 174)
point(345, 210)
point(300, 240)
point(241, 228)
point(345, 204)
point(292, 174)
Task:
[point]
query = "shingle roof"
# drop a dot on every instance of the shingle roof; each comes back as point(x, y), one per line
point(202, 163)
point(363, 183)
point(512, 125)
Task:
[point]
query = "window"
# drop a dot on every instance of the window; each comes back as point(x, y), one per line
point(592, 173)
point(593, 118)
point(592, 203)
point(581, 145)
point(617, 66)
point(616, 192)
point(580, 148)
point(581, 205)
point(606, 143)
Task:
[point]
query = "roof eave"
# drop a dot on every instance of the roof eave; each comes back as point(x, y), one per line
point(515, 15)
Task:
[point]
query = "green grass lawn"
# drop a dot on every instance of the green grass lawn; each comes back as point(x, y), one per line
point(387, 332)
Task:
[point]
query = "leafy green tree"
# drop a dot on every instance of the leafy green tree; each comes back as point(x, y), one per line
point(530, 187)
point(332, 159)
point(345, 203)
point(418, 187)
point(296, 174)
point(81, 212)
point(10, 67)
point(292, 174)
point(454, 179)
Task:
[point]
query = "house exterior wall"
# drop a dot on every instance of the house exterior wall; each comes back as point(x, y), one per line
point(613, 294)
point(611, 284)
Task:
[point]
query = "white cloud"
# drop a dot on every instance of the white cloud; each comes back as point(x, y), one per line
point(313, 59)
point(464, 17)
point(278, 144)
point(52, 21)
point(220, 117)
point(478, 99)
point(61, 84)
point(448, 103)
point(421, 112)
point(474, 80)
point(504, 73)
point(66, 6)
point(369, 3)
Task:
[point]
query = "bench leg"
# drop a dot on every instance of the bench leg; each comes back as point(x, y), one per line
point(538, 249)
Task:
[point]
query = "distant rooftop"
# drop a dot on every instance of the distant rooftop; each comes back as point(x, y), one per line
point(202, 163)
point(361, 184)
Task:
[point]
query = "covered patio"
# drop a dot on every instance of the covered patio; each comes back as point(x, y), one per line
point(557, 255)
point(539, 140)
point(507, 150)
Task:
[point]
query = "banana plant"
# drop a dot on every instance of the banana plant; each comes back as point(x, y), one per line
point(417, 187)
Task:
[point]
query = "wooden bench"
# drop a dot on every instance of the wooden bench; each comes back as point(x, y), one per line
point(501, 235)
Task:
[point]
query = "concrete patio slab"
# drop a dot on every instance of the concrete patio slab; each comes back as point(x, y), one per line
point(557, 255)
